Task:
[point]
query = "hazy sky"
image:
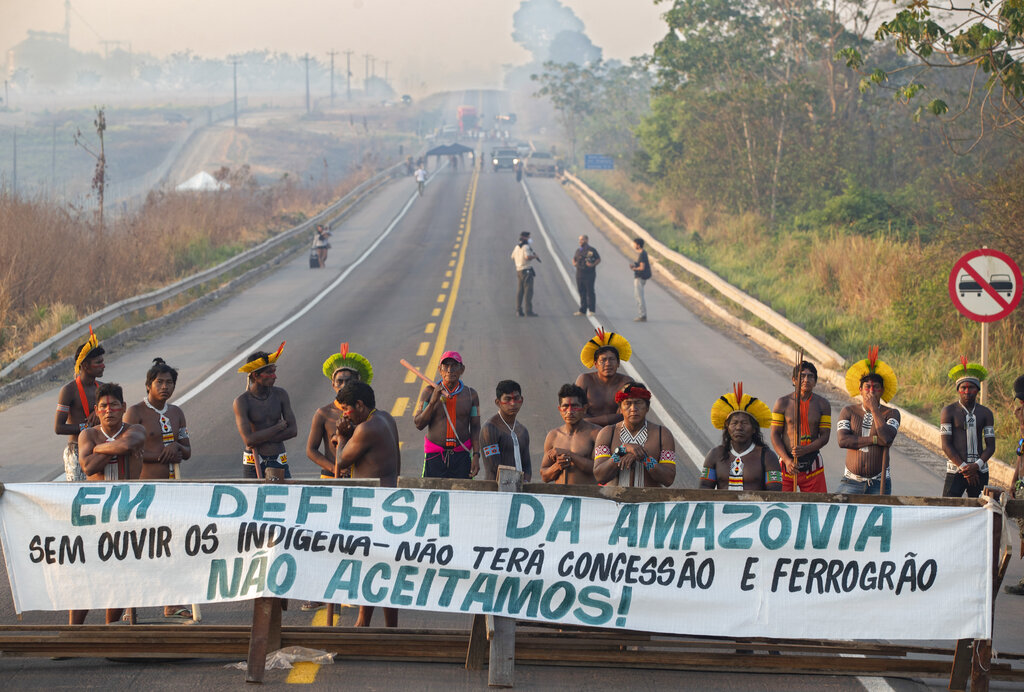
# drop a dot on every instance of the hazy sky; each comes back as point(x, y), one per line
point(437, 42)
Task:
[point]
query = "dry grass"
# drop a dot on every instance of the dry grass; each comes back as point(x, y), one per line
point(57, 265)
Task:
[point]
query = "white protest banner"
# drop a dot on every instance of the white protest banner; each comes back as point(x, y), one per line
point(749, 569)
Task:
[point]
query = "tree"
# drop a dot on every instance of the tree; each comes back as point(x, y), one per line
point(99, 178)
point(984, 38)
point(568, 86)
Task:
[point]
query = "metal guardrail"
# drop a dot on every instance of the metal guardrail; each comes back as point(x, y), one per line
point(45, 350)
point(832, 364)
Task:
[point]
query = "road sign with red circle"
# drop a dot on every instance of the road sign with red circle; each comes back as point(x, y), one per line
point(985, 285)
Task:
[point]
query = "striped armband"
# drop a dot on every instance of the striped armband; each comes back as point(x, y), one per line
point(945, 428)
point(183, 435)
point(988, 431)
point(772, 476)
point(893, 423)
point(825, 422)
point(843, 425)
point(61, 408)
point(667, 457)
point(491, 450)
point(602, 452)
point(778, 419)
point(709, 474)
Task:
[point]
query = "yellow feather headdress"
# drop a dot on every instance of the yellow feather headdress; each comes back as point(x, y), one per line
point(91, 345)
point(735, 402)
point(348, 360)
point(872, 364)
point(260, 363)
point(601, 340)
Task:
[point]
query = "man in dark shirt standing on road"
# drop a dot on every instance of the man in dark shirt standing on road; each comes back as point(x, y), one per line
point(641, 272)
point(586, 260)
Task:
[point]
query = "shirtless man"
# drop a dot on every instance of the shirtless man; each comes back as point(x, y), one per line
point(503, 439)
point(868, 429)
point(743, 461)
point(367, 443)
point(569, 448)
point(76, 403)
point(804, 464)
point(167, 440)
point(604, 352)
point(109, 451)
point(340, 368)
point(635, 453)
point(968, 434)
point(1017, 482)
point(450, 412)
point(263, 415)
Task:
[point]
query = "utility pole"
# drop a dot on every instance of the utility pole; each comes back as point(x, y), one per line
point(366, 79)
point(7, 100)
point(14, 177)
point(53, 158)
point(348, 75)
point(386, 63)
point(307, 81)
point(332, 54)
point(234, 81)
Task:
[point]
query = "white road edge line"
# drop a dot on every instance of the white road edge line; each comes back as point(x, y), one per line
point(219, 372)
point(681, 438)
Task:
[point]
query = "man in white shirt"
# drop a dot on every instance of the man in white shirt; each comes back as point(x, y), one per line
point(522, 255)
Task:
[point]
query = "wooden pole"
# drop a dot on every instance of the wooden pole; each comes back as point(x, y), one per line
point(796, 420)
point(196, 614)
point(501, 666)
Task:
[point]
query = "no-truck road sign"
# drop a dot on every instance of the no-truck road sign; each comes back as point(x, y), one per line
point(985, 285)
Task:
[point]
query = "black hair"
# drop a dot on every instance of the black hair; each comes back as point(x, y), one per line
point(110, 389)
point(872, 377)
point(638, 241)
point(507, 387)
point(804, 365)
point(354, 391)
point(159, 368)
point(636, 385)
point(94, 353)
point(254, 356)
point(568, 391)
point(1018, 388)
point(607, 349)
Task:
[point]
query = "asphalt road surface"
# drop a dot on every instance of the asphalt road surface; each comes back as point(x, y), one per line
point(409, 277)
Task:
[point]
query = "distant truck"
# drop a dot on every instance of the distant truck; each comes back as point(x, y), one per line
point(468, 120)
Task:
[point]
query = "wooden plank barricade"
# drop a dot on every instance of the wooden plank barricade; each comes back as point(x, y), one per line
point(543, 644)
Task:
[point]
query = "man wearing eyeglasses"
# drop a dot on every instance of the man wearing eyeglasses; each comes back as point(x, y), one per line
point(569, 448)
point(505, 441)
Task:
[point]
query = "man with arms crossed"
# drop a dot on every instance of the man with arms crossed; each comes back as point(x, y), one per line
point(341, 368)
point(635, 453)
point(968, 433)
point(604, 353)
point(813, 415)
point(76, 403)
point(263, 415)
point(505, 441)
point(367, 443)
point(868, 429)
point(450, 411)
point(109, 451)
point(569, 448)
point(743, 461)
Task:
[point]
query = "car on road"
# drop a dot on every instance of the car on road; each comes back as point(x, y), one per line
point(504, 158)
point(541, 163)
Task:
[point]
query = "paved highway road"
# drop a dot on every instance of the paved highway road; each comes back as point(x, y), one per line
point(410, 277)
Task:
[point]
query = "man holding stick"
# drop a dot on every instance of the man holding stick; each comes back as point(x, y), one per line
point(367, 443)
point(263, 415)
point(867, 430)
point(450, 411)
point(76, 403)
point(806, 418)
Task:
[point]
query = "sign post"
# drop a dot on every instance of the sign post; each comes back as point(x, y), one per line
point(985, 286)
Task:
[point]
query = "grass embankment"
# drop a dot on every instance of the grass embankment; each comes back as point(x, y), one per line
point(850, 291)
point(57, 266)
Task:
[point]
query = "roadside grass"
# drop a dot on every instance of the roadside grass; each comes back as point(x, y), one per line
point(57, 266)
point(850, 290)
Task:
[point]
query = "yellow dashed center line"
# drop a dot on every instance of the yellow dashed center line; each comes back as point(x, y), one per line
point(436, 312)
point(424, 347)
point(445, 285)
point(431, 326)
point(441, 297)
point(401, 404)
point(448, 274)
point(452, 263)
point(409, 377)
point(303, 673)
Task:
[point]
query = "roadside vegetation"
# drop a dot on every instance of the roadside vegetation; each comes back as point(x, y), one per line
point(815, 183)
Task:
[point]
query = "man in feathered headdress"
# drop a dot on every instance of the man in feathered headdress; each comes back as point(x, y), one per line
point(341, 368)
point(603, 353)
point(1017, 483)
point(635, 453)
point(263, 414)
point(867, 430)
point(76, 403)
point(743, 461)
point(968, 433)
point(808, 420)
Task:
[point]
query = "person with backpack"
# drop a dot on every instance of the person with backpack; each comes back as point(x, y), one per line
point(641, 272)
